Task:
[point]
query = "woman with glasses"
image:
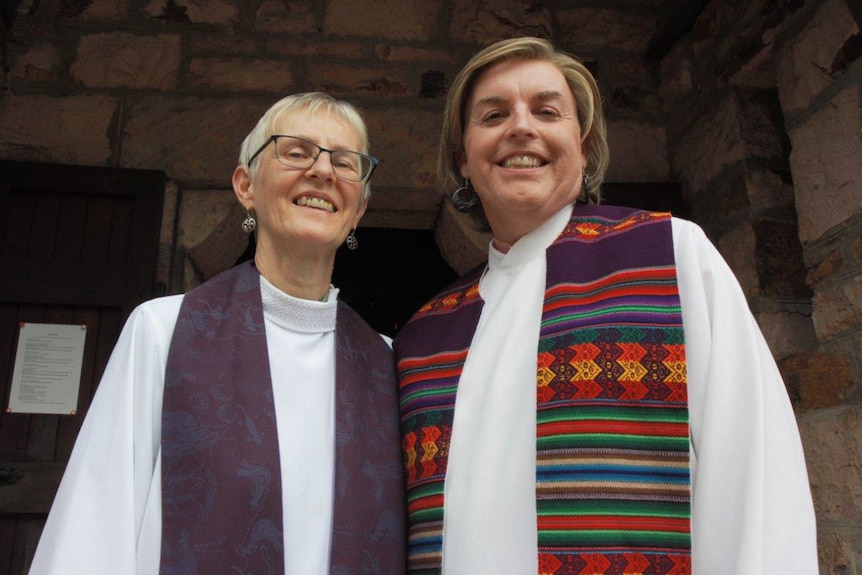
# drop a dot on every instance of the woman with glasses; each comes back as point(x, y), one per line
point(250, 426)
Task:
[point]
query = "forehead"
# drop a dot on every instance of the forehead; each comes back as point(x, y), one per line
point(323, 127)
point(528, 79)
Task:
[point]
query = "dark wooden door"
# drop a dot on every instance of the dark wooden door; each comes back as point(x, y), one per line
point(78, 245)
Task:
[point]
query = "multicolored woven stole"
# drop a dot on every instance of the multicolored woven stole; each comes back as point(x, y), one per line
point(221, 478)
point(612, 473)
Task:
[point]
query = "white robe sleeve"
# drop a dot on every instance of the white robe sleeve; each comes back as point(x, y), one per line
point(752, 512)
point(101, 521)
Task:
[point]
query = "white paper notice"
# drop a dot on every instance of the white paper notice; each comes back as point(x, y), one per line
point(47, 372)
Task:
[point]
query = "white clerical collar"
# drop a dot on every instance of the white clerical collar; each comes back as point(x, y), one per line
point(532, 243)
point(301, 315)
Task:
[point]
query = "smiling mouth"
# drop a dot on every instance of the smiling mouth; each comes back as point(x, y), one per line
point(316, 203)
point(522, 162)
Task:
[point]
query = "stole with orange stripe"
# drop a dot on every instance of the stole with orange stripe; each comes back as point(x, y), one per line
point(612, 476)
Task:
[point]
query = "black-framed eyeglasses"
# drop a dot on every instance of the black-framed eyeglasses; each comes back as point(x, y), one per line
point(301, 154)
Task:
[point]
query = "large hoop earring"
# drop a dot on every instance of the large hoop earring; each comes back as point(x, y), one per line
point(351, 241)
point(249, 223)
point(463, 204)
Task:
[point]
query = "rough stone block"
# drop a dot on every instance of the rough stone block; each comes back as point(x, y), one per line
point(414, 20)
point(742, 189)
point(388, 52)
point(815, 379)
point(406, 142)
point(830, 266)
point(708, 25)
point(740, 128)
point(839, 549)
point(316, 52)
point(638, 152)
point(675, 76)
point(209, 230)
point(827, 173)
point(856, 251)
point(40, 63)
point(594, 28)
point(481, 21)
point(779, 263)
point(120, 60)
point(805, 65)
point(228, 42)
point(787, 332)
point(833, 450)
point(236, 75)
point(753, 66)
point(837, 308)
point(106, 10)
point(194, 11)
point(65, 130)
point(291, 16)
point(737, 247)
point(348, 81)
point(767, 190)
point(194, 140)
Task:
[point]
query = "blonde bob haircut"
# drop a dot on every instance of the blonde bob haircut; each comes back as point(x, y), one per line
point(581, 82)
point(310, 103)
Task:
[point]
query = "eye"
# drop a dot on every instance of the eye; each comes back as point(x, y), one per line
point(549, 113)
point(492, 116)
point(297, 153)
point(344, 161)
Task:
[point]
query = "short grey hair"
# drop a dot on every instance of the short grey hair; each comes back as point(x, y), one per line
point(309, 102)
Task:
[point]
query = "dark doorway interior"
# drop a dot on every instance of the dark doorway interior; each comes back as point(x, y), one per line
point(391, 274)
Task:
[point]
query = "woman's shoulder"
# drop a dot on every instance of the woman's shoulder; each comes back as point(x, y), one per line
point(159, 314)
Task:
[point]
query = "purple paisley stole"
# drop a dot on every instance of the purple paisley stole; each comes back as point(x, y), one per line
point(221, 480)
point(612, 470)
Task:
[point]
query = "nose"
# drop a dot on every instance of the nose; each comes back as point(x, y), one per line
point(322, 167)
point(522, 122)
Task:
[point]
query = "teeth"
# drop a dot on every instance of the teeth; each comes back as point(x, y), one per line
point(315, 203)
point(522, 162)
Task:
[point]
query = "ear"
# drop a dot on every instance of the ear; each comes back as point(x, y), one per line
point(462, 166)
point(363, 205)
point(585, 149)
point(242, 187)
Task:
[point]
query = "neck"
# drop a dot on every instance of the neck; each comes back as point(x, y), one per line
point(501, 246)
point(306, 278)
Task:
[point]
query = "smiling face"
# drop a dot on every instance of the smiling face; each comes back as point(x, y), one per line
point(522, 145)
point(310, 211)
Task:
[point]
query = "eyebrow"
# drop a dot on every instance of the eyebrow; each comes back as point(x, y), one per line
point(543, 96)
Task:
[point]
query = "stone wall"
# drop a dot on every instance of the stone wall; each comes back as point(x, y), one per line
point(755, 109)
point(765, 131)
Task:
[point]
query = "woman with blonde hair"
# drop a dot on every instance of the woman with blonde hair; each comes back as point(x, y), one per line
point(597, 398)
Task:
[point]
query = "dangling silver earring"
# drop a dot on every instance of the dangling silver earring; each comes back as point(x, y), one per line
point(249, 223)
point(464, 204)
point(351, 241)
point(585, 193)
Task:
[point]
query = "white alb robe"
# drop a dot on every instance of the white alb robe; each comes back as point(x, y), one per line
point(106, 517)
point(752, 512)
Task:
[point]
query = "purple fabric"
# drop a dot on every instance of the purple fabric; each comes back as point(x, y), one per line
point(221, 482)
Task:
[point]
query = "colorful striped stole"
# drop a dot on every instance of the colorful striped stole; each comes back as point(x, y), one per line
point(612, 475)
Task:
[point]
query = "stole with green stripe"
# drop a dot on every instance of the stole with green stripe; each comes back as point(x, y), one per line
point(613, 473)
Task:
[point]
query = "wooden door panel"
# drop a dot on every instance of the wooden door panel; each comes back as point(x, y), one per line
point(78, 246)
